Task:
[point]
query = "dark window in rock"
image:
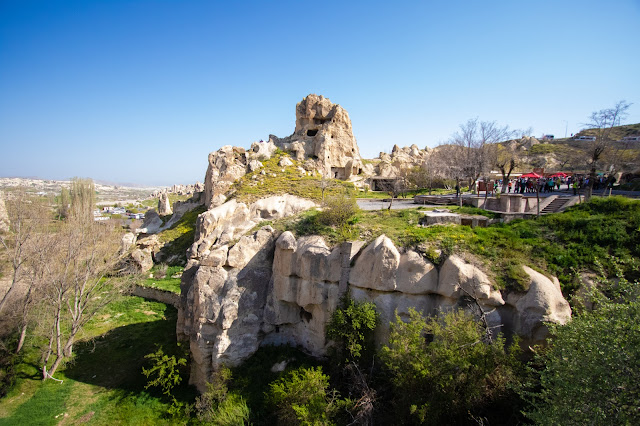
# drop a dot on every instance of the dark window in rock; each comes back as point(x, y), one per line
point(305, 315)
point(312, 132)
point(277, 329)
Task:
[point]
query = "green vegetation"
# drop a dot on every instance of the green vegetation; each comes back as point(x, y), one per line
point(303, 397)
point(545, 148)
point(278, 180)
point(590, 374)
point(163, 278)
point(351, 328)
point(180, 236)
point(449, 370)
point(104, 382)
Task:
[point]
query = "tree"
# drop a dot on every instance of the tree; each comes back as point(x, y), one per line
point(474, 147)
point(78, 283)
point(602, 123)
point(506, 160)
point(590, 373)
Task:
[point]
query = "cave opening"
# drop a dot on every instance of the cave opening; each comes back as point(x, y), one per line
point(312, 132)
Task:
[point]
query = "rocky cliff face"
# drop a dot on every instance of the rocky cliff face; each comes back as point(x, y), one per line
point(324, 138)
point(270, 288)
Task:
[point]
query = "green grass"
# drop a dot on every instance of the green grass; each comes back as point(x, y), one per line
point(559, 244)
point(284, 180)
point(167, 283)
point(103, 383)
point(180, 236)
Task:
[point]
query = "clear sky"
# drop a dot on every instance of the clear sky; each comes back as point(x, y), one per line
point(142, 91)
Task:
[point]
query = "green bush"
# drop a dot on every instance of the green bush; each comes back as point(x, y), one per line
point(351, 328)
point(444, 371)
point(217, 406)
point(338, 211)
point(590, 374)
point(302, 397)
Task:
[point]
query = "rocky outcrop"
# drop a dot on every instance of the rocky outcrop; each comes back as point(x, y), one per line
point(142, 260)
point(226, 165)
point(164, 207)
point(284, 290)
point(324, 138)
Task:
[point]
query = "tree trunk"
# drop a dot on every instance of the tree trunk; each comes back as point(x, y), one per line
point(23, 334)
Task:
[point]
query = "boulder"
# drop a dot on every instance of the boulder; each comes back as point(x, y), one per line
point(127, 241)
point(542, 303)
point(255, 165)
point(142, 259)
point(416, 275)
point(151, 224)
point(262, 150)
point(377, 266)
point(285, 162)
point(459, 278)
point(279, 206)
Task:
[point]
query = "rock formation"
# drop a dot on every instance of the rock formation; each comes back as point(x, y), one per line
point(164, 207)
point(226, 165)
point(270, 288)
point(323, 136)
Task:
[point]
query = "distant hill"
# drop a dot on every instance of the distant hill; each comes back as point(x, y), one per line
point(617, 132)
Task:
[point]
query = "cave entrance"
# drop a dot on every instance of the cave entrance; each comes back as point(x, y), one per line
point(312, 132)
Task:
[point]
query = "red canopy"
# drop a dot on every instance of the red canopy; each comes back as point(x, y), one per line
point(531, 175)
point(559, 174)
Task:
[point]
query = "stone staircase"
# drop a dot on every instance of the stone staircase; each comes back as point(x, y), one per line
point(555, 205)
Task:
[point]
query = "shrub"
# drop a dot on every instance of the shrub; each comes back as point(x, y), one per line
point(444, 371)
point(590, 373)
point(217, 406)
point(351, 328)
point(338, 210)
point(301, 397)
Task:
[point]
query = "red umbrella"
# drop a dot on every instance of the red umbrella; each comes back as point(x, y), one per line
point(531, 175)
point(559, 174)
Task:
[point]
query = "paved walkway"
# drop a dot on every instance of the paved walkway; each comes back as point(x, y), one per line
point(407, 203)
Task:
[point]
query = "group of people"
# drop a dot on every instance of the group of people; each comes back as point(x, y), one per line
point(550, 184)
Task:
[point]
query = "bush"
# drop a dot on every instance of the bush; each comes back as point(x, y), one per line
point(302, 397)
point(216, 406)
point(590, 373)
point(338, 211)
point(351, 328)
point(444, 371)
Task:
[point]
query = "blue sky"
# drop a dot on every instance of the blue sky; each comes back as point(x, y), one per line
point(142, 91)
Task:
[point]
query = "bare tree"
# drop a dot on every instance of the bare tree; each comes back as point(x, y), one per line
point(27, 217)
point(475, 148)
point(506, 160)
point(77, 283)
point(602, 123)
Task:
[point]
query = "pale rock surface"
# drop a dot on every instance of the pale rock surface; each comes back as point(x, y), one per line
point(151, 224)
point(285, 162)
point(262, 150)
point(416, 275)
point(542, 303)
point(142, 259)
point(164, 207)
point(279, 206)
point(324, 137)
point(127, 241)
point(377, 266)
point(255, 165)
point(226, 165)
point(459, 278)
